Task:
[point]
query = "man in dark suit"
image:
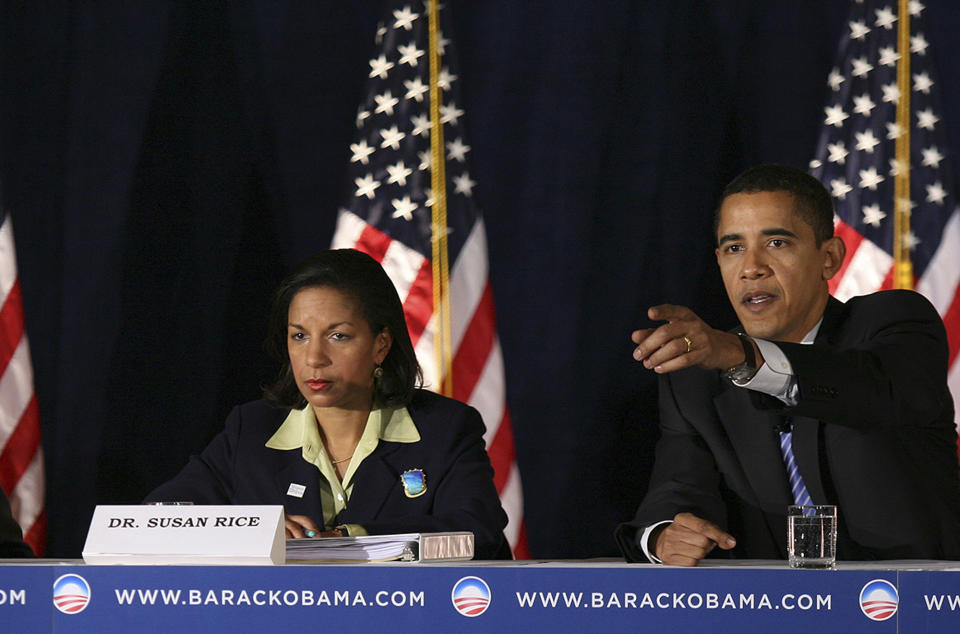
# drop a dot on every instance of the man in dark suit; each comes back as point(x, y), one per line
point(11, 538)
point(856, 391)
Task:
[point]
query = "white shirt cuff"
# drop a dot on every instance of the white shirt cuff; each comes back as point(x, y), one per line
point(775, 376)
point(645, 537)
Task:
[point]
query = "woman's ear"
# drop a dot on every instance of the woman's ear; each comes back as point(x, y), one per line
point(382, 345)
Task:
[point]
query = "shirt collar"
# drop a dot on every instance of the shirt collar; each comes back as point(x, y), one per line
point(299, 429)
point(812, 335)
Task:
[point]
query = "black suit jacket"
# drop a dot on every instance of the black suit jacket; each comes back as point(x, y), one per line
point(11, 537)
point(236, 468)
point(873, 433)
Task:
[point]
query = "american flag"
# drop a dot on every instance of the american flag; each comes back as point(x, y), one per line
point(21, 458)
point(856, 161)
point(389, 216)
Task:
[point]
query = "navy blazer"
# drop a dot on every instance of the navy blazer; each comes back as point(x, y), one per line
point(873, 433)
point(237, 468)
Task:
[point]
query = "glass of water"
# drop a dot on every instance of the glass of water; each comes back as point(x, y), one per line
point(812, 536)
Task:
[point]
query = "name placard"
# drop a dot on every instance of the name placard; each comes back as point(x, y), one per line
point(228, 535)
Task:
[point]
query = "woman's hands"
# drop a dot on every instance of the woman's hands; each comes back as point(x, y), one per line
point(299, 526)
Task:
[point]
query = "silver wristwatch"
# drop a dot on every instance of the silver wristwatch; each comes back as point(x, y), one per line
point(744, 372)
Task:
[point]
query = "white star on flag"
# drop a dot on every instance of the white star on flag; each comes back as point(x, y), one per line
point(893, 130)
point(379, 67)
point(918, 44)
point(445, 79)
point(891, 93)
point(869, 178)
point(392, 138)
point(415, 89)
point(858, 30)
point(936, 193)
point(463, 184)
point(362, 115)
point(450, 113)
point(910, 240)
point(442, 44)
point(425, 159)
point(403, 208)
point(863, 104)
point(457, 151)
point(835, 79)
point(926, 119)
point(409, 54)
point(872, 215)
point(888, 56)
point(421, 124)
point(866, 141)
point(895, 167)
point(404, 18)
point(838, 152)
point(385, 103)
point(861, 67)
point(366, 186)
point(907, 205)
point(839, 188)
point(931, 157)
point(915, 7)
point(361, 152)
point(398, 173)
point(885, 18)
point(922, 83)
point(835, 116)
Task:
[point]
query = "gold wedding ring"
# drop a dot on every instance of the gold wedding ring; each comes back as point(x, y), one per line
point(689, 343)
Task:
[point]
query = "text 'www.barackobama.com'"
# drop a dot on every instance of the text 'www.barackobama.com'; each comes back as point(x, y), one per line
point(674, 601)
point(288, 598)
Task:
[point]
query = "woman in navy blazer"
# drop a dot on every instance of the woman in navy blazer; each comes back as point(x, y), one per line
point(344, 439)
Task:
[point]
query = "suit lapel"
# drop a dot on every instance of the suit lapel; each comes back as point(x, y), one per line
point(806, 431)
point(374, 482)
point(293, 469)
point(754, 438)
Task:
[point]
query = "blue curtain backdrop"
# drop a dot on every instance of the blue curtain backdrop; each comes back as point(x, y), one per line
point(165, 163)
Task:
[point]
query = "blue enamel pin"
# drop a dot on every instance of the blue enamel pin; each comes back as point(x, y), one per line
point(414, 482)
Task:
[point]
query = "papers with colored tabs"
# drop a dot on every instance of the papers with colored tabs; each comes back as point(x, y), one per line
point(454, 546)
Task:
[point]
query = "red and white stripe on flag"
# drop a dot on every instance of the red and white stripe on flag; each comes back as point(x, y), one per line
point(478, 374)
point(21, 456)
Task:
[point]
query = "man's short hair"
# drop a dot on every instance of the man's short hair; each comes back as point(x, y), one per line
point(813, 203)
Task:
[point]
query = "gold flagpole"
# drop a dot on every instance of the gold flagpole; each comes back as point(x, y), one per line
point(438, 180)
point(902, 266)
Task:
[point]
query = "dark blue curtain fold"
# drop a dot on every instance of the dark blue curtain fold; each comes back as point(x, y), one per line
point(166, 162)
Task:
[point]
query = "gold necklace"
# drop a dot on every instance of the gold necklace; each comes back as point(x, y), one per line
point(332, 461)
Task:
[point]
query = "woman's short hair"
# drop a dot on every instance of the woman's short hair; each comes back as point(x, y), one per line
point(361, 277)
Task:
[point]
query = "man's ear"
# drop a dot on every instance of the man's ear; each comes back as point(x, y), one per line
point(833, 250)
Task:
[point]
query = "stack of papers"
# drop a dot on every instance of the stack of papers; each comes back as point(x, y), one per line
point(402, 547)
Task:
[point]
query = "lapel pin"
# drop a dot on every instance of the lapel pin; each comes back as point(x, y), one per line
point(414, 482)
point(296, 490)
